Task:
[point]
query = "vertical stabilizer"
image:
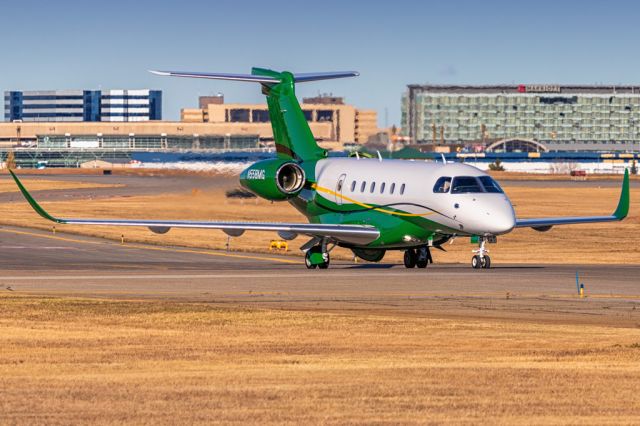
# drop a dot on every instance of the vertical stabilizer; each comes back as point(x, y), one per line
point(291, 132)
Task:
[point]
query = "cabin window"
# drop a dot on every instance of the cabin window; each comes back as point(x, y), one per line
point(353, 186)
point(490, 185)
point(382, 185)
point(465, 185)
point(402, 187)
point(363, 185)
point(393, 188)
point(442, 185)
point(373, 187)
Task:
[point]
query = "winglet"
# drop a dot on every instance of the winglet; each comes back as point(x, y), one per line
point(623, 205)
point(42, 212)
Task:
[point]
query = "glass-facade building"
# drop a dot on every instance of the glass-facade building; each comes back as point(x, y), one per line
point(83, 105)
point(560, 117)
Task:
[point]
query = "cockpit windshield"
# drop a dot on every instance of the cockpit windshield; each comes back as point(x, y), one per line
point(490, 185)
point(465, 185)
point(442, 185)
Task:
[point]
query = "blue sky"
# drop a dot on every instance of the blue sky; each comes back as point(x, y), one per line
point(83, 44)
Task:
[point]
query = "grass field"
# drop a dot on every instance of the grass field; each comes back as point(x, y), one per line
point(66, 360)
point(594, 243)
point(44, 184)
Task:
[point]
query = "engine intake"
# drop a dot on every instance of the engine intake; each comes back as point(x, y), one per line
point(275, 179)
point(290, 178)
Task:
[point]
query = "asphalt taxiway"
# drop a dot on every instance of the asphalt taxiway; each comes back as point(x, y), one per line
point(39, 262)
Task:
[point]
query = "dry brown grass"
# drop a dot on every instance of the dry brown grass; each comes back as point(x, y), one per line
point(122, 171)
point(70, 360)
point(43, 184)
point(595, 243)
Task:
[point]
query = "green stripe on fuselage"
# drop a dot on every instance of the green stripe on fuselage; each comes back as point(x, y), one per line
point(393, 227)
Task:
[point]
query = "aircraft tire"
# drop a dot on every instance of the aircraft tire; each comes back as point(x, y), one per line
point(486, 262)
point(422, 263)
point(476, 263)
point(410, 258)
point(325, 265)
point(307, 261)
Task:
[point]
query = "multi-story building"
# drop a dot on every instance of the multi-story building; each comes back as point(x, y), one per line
point(571, 117)
point(330, 119)
point(83, 105)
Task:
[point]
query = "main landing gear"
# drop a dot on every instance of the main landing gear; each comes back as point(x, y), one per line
point(420, 257)
point(316, 258)
point(481, 259)
point(317, 255)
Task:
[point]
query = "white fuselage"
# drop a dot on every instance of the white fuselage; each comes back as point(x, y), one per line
point(409, 186)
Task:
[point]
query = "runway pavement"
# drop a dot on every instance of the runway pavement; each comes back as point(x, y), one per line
point(38, 262)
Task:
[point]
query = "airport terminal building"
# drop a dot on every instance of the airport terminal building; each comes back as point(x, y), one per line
point(82, 105)
point(532, 117)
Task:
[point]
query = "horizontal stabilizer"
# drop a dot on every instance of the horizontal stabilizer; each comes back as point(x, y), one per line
point(218, 76)
point(297, 78)
point(315, 76)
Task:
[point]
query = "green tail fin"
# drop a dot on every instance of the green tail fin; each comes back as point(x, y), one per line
point(291, 132)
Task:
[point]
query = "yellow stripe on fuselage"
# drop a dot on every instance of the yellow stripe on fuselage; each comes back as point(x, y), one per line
point(351, 200)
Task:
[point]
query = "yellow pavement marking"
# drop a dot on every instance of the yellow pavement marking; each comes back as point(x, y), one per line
point(51, 237)
point(210, 253)
point(144, 247)
point(351, 200)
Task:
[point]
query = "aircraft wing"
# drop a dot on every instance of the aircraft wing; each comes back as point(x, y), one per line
point(354, 234)
point(544, 224)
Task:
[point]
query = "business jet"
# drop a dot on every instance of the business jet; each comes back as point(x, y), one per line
point(367, 205)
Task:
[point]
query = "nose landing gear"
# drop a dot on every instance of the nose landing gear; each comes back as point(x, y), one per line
point(481, 259)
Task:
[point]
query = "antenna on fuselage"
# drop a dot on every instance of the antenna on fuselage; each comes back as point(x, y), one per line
point(444, 160)
point(379, 156)
point(357, 155)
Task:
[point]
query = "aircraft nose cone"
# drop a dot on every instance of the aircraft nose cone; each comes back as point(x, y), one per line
point(501, 221)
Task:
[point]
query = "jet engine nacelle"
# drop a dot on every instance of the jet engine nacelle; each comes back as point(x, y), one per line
point(274, 179)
